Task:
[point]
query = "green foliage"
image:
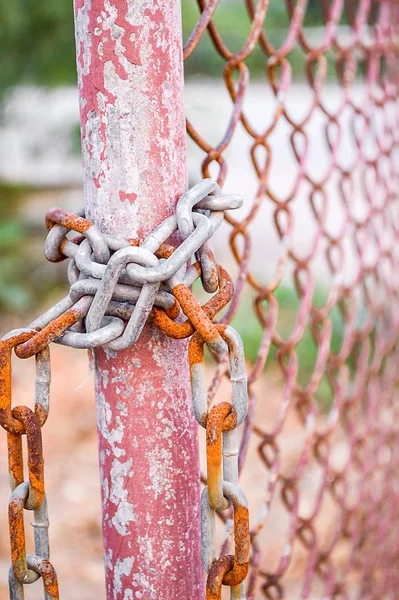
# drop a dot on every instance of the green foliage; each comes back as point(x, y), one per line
point(24, 280)
point(37, 42)
point(38, 47)
point(11, 195)
point(233, 24)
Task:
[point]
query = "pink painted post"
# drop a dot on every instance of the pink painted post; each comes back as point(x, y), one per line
point(129, 57)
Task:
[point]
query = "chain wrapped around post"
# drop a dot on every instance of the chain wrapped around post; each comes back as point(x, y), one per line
point(117, 285)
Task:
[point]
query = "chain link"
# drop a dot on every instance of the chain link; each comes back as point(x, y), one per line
point(116, 286)
point(30, 494)
point(222, 491)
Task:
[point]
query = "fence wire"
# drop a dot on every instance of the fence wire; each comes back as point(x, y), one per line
point(326, 165)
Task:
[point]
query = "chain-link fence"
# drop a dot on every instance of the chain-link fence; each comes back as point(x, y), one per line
point(316, 288)
point(302, 121)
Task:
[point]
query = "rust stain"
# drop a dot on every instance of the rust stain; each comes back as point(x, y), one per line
point(6, 346)
point(196, 349)
point(216, 575)
point(242, 542)
point(58, 216)
point(15, 459)
point(17, 535)
point(49, 333)
point(35, 455)
point(50, 581)
point(215, 424)
point(194, 311)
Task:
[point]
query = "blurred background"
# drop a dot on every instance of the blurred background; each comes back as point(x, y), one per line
point(40, 167)
point(40, 163)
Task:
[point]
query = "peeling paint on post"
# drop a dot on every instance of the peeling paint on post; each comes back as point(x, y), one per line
point(130, 76)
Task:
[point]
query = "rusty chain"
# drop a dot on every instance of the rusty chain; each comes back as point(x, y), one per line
point(116, 286)
point(30, 494)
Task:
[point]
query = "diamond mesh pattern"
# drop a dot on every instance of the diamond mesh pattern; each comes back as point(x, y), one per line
point(319, 448)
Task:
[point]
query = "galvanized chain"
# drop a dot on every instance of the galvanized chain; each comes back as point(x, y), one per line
point(117, 285)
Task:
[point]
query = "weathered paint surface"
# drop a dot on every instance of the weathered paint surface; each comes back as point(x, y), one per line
point(133, 136)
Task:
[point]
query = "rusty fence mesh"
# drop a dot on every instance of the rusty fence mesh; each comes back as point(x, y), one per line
point(316, 258)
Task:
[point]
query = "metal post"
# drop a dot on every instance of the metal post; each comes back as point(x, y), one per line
point(130, 75)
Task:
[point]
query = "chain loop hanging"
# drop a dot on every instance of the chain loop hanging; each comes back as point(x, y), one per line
point(117, 285)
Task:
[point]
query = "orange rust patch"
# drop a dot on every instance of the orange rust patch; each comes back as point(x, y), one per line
point(164, 251)
point(40, 414)
point(164, 322)
point(193, 310)
point(242, 547)
point(35, 454)
point(216, 422)
point(134, 241)
point(15, 459)
point(6, 419)
point(17, 534)
point(49, 333)
point(236, 575)
point(214, 425)
point(216, 576)
point(58, 216)
point(49, 577)
point(196, 349)
point(173, 311)
point(161, 318)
